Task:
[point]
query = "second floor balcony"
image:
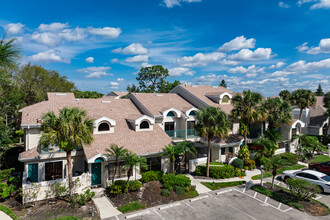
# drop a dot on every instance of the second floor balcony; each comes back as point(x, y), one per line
point(182, 134)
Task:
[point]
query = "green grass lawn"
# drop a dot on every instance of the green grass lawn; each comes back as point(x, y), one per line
point(8, 211)
point(320, 158)
point(215, 186)
point(131, 207)
point(280, 171)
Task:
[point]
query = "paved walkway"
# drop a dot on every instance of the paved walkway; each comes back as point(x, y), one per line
point(104, 206)
point(200, 188)
point(4, 216)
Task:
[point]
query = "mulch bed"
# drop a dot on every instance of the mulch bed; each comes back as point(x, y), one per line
point(310, 207)
point(149, 195)
point(50, 209)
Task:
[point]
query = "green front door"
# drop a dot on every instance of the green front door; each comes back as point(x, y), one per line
point(33, 172)
point(96, 174)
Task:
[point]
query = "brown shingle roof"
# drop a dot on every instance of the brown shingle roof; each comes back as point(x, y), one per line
point(157, 103)
point(117, 93)
point(317, 117)
point(117, 109)
point(201, 92)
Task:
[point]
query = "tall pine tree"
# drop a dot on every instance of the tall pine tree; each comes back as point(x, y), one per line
point(319, 91)
point(223, 83)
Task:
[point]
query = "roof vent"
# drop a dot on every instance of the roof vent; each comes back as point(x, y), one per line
point(60, 94)
point(159, 95)
point(194, 86)
point(77, 100)
point(106, 101)
point(214, 86)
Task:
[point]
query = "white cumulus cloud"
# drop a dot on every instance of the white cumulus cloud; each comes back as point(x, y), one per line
point(250, 71)
point(283, 5)
point(53, 26)
point(172, 3)
point(324, 47)
point(200, 59)
point(179, 71)
point(48, 57)
point(246, 54)
point(238, 43)
point(114, 60)
point(277, 65)
point(106, 32)
point(138, 59)
point(89, 60)
point(95, 71)
point(13, 28)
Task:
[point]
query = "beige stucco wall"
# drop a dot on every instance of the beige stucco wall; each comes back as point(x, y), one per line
point(32, 137)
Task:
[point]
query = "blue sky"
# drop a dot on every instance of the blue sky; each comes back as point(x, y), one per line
point(101, 45)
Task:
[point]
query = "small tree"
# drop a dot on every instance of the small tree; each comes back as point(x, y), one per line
point(223, 83)
point(303, 98)
point(185, 147)
point(20, 134)
point(133, 160)
point(171, 151)
point(115, 152)
point(285, 95)
point(302, 189)
point(276, 163)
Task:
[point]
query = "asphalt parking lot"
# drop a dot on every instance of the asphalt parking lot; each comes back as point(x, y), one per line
point(234, 203)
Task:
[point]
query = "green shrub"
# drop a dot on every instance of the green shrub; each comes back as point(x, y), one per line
point(290, 158)
point(114, 190)
point(165, 192)
point(82, 198)
point(178, 190)
point(152, 176)
point(134, 185)
point(239, 172)
point(123, 185)
point(8, 211)
point(170, 180)
point(265, 162)
point(6, 183)
point(217, 172)
point(302, 189)
point(251, 164)
point(237, 163)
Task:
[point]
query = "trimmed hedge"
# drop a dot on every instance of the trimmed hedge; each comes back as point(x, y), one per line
point(237, 163)
point(152, 176)
point(170, 181)
point(217, 172)
point(290, 158)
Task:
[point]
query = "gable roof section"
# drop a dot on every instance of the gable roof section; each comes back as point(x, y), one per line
point(202, 93)
point(158, 103)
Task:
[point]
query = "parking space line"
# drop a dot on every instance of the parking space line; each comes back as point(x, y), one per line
point(255, 194)
point(198, 198)
point(169, 206)
point(319, 197)
point(190, 206)
point(279, 206)
point(266, 199)
point(161, 217)
point(242, 212)
point(116, 217)
point(287, 210)
point(244, 189)
point(137, 214)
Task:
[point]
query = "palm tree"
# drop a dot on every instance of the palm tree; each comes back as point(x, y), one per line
point(71, 128)
point(268, 146)
point(248, 108)
point(115, 152)
point(279, 112)
point(183, 148)
point(285, 95)
point(171, 151)
point(303, 98)
point(133, 160)
point(276, 163)
point(9, 53)
point(212, 122)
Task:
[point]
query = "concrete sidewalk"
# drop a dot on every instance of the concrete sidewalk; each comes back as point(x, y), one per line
point(4, 216)
point(103, 205)
point(200, 188)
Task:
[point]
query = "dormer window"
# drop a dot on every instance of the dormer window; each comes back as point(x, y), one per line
point(144, 125)
point(170, 114)
point(225, 99)
point(192, 113)
point(104, 127)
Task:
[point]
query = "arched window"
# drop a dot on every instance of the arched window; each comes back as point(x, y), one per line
point(170, 114)
point(104, 127)
point(225, 99)
point(144, 125)
point(192, 113)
